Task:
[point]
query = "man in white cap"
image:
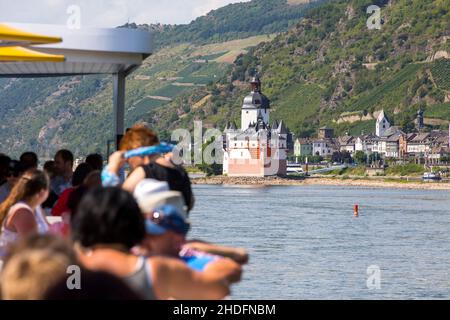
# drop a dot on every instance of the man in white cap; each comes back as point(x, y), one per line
point(167, 226)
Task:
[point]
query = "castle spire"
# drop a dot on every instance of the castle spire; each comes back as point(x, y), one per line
point(256, 84)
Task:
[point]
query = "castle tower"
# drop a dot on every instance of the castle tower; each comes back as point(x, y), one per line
point(256, 106)
point(383, 124)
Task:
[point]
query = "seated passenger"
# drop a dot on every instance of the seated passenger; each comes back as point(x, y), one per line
point(167, 227)
point(156, 166)
point(108, 223)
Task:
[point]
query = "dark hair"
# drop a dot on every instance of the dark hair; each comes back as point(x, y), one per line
point(95, 160)
point(81, 172)
point(15, 168)
point(49, 167)
point(29, 160)
point(75, 198)
point(108, 216)
point(4, 163)
point(96, 286)
point(66, 155)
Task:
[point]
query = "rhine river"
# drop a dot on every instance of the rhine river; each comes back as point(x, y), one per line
point(305, 243)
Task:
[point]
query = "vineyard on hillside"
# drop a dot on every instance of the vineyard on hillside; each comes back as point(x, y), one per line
point(441, 73)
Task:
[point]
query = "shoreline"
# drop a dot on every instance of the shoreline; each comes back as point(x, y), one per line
point(321, 181)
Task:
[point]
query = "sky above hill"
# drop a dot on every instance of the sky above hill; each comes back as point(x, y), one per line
point(107, 13)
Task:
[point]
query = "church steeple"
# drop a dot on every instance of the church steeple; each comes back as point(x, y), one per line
point(382, 124)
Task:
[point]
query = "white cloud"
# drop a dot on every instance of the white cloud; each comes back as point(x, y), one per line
point(109, 13)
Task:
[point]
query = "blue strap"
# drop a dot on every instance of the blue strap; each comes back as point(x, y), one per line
point(148, 151)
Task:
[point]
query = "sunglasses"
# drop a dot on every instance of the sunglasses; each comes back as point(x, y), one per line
point(159, 218)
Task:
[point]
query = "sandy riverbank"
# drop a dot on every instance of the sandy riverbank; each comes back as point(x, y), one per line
point(277, 181)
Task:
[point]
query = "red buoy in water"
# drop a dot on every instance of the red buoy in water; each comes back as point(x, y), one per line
point(356, 210)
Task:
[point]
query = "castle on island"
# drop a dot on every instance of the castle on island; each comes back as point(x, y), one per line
point(257, 149)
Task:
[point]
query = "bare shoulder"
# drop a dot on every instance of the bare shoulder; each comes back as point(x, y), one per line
point(20, 214)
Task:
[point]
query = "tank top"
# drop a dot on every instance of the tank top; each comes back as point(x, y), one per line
point(141, 280)
point(8, 237)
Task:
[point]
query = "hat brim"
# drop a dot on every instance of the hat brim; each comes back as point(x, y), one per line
point(154, 229)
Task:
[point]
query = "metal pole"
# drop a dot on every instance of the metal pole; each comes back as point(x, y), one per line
point(119, 106)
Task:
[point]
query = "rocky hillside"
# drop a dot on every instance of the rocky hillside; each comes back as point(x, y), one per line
point(75, 112)
point(327, 69)
point(330, 69)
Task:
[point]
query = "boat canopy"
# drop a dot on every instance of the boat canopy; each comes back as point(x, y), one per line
point(86, 51)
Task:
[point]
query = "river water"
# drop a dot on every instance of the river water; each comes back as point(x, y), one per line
point(305, 242)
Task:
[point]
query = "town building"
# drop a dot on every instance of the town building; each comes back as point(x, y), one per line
point(303, 147)
point(346, 144)
point(326, 133)
point(365, 143)
point(324, 147)
point(418, 144)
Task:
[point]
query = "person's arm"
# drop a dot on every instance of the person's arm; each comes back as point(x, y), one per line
point(174, 279)
point(227, 268)
point(116, 161)
point(133, 179)
point(24, 222)
point(239, 255)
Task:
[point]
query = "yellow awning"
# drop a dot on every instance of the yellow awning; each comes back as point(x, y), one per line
point(24, 54)
point(10, 36)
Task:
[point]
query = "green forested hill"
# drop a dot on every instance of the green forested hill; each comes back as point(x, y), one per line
point(328, 69)
point(235, 21)
point(331, 69)
point(75, 112)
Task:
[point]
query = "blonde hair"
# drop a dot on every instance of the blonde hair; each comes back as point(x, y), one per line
point(34, 265)
point(28, 275)
point(29, 184)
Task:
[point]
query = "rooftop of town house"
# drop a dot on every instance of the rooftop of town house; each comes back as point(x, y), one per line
point(420, 138)
point(304, 140)
point(345, 140)
point(390, 131)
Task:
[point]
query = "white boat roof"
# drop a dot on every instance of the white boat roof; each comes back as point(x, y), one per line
point(87, 51)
